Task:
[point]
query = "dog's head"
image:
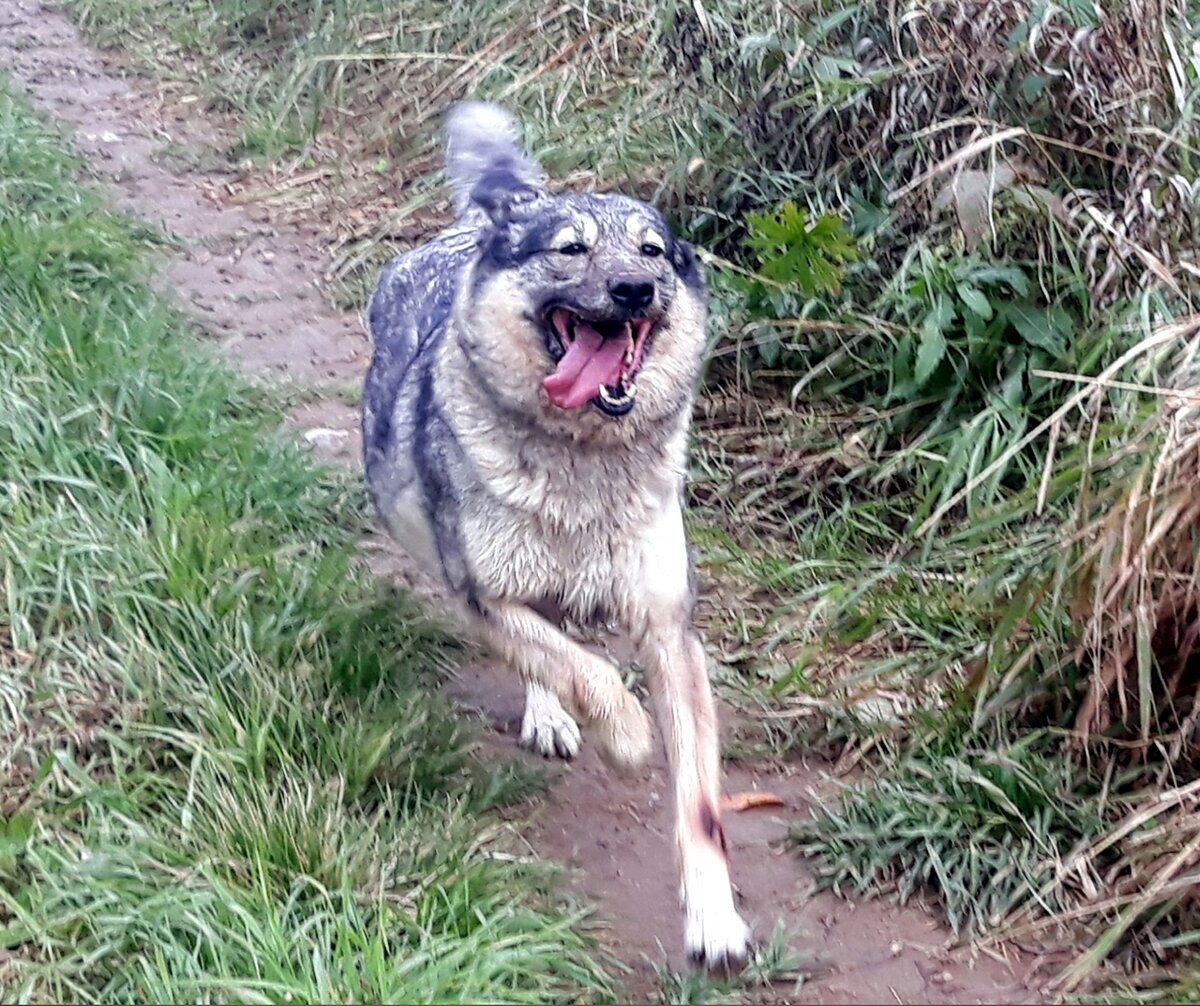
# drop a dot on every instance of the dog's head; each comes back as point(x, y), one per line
point(583, 312)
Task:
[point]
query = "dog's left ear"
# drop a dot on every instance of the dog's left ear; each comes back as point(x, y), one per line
point(501, 191)
point(687, 267)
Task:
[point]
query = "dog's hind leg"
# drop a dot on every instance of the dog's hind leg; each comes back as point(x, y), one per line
point(582, 681)
point(547, 727)
point(715, 934)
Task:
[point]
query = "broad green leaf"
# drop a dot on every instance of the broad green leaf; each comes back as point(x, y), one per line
point(1018, 36)
point(1032, 86)
point(943, 311)
point(1039, 387)
point(902, 385)
point(1044, 327)
point(793, 252)
point(1010, 275)
point(1012, 391)
point(821, 27)
point(978, 343)
point(769, 349)
point(932, 348)
point(974, 298)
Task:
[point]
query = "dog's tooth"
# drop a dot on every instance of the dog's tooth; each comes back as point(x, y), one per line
point(627, 393)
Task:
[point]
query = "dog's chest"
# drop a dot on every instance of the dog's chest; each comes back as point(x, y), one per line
point(571, 529)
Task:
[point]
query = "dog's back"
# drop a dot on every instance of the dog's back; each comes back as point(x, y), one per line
point(407, 317)
point(414, 295)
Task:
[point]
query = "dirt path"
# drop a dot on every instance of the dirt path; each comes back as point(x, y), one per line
point(251, 284)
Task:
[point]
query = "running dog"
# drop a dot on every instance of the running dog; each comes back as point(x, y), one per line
point(525, 425)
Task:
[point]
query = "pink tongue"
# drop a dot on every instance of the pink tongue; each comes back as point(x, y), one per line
point(590, 361)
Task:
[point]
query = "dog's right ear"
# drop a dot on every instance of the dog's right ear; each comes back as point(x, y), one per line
point(501, 191)
point(485, 162)
point(687, 266)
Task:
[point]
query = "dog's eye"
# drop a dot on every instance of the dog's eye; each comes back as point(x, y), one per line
point(574, 248)
point(652, 250)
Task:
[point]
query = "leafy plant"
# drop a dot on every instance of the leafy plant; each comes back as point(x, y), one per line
point(792, 250)
point(972, 328)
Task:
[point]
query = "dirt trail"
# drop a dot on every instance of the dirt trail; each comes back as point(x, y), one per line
point(251, 284)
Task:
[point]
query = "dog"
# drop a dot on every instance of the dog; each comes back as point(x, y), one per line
point(525, 427)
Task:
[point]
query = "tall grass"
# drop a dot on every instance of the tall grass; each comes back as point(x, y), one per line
point(223, 776)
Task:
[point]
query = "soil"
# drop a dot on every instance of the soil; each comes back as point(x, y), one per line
point(252, 282)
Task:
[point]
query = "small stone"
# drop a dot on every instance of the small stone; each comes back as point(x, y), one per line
point(323, 437)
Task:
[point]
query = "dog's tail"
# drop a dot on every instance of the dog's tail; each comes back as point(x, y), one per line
point(482, 138)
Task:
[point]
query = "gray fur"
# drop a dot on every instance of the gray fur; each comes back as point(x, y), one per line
point(480, 136)
point(525, 505)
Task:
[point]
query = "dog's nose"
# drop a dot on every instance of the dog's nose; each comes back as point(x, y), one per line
point(631, 292)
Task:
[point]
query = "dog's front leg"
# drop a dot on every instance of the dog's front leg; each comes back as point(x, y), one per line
point(548, 660)
point(715, 934)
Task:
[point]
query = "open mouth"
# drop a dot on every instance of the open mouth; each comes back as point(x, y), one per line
point(597, 360)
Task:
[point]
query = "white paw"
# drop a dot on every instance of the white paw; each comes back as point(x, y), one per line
point(718, 940)
point(714, 935)
point(547, 727)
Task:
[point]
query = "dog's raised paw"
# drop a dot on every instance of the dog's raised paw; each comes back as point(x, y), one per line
point(547, 728)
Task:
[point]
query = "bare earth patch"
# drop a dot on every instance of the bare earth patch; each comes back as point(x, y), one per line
point(250, 279)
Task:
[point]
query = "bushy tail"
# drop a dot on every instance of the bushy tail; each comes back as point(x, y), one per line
point(480, 138)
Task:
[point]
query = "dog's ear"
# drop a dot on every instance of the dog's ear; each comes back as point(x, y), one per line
point(687, 267)
point(486, 164)
point(501, 191)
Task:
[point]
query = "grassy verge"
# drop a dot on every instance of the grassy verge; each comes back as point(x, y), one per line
point(222, 774)
point(1019, 681)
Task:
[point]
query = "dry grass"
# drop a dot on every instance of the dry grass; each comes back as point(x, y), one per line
point(1137, 585)
point(1131, 578)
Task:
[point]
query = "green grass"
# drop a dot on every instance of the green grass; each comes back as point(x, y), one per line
point(984, 829)
point(224, 775)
